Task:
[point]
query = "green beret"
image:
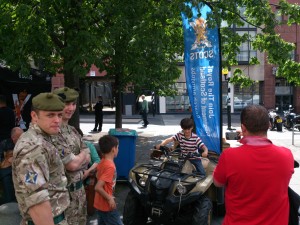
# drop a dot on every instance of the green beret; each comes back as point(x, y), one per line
point(48, 102)
point(68, 94)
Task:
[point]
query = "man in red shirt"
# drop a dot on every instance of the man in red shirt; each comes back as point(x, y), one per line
point(256, 175)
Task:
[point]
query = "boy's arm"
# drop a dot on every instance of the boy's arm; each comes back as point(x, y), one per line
point(164, 142)
point(205, 151)
point(87, 172)
point(100, 189)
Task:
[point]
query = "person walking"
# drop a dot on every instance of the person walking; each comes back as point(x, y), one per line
point(38, 172)
point(255, 174)
point(75, 156)
point(153, 106)
point(144, 110)
point(98, 115)
point(104, 200)
point(7, 121)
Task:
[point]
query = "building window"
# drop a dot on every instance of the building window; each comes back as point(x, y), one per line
point(179, 103)
point(278, 16)
point(246, 96)
point(246, 48)
point(293, 54)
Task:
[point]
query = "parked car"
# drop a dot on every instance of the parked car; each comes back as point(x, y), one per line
point(239, 105)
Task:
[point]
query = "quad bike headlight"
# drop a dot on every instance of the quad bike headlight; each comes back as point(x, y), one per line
point(181, 189)
point(142, 180)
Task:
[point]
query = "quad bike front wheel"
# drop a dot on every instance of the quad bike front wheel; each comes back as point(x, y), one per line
point(203, 212)
point(134, 213)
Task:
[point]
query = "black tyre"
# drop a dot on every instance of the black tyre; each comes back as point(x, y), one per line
point(203, 212)
point(279, 126)
point(134, 213)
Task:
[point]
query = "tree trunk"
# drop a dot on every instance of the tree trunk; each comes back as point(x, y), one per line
point(118, 96)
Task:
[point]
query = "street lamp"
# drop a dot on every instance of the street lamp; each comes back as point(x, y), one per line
point(226, 75)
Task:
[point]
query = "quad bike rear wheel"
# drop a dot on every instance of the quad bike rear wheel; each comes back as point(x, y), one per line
point(279, 126)
point(134, 213)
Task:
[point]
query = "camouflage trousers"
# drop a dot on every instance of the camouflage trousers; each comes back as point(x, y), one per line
point(76, 213)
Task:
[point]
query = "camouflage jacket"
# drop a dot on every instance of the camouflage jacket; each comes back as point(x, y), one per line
point(38, 173)
point(69, 143)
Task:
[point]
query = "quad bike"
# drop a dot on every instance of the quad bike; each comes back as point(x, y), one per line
point(168, 190)
point(275, 120)
point(291, 119)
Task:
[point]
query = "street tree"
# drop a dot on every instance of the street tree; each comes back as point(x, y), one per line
point(135, 42)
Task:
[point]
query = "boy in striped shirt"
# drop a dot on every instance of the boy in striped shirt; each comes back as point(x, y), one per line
point(189, 142)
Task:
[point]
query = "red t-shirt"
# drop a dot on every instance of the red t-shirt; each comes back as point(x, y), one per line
point(106, 171)
point(256, 182)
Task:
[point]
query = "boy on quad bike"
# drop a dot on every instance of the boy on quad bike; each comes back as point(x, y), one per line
point(189, 143)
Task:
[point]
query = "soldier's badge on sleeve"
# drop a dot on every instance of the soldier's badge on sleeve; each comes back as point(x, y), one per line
point(31, 177)
point(62, 153)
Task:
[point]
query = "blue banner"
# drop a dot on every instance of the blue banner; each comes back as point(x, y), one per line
point(203, 77)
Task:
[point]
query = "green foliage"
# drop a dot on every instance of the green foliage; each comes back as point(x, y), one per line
point(291, 71)
point(293, 10)
point(239, 78)
point(134, 41)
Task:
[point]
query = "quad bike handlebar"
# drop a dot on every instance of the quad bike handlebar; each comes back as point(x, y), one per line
point(168, 152)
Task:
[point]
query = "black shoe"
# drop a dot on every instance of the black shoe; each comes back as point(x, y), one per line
point(94, 130)
point(99, 130)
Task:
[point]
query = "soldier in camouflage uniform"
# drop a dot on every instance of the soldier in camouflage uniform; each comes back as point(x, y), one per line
point(38, 172)
point(75, 160)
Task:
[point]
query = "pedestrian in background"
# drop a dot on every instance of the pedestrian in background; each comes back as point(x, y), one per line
point(38, 172)
point(7, 121)
point(98, 115)
point(255, 175)
point(144, 110)
point(104, 200)
point(76, 157)
point(153, 103)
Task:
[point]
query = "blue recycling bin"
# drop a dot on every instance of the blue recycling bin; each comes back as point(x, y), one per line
point(126, 156)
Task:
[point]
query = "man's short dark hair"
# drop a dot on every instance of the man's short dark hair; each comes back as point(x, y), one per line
point(186, 123)
point(107, 142)
point(255, 118)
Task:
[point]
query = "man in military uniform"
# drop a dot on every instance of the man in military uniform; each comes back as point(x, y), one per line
point(38, 172)
point(75, 160)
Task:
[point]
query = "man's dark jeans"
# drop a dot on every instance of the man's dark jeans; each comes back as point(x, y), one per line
point(144, 116)
point(98, 122)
